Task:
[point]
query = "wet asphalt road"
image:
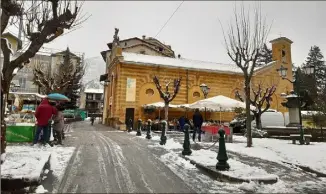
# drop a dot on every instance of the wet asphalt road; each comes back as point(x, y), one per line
point(117, 162)
point(114, 162)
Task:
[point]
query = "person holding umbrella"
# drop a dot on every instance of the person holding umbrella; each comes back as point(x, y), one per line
point(43, 114)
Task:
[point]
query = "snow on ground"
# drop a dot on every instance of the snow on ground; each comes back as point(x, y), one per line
point(170, 143)
point(40, 189)
point(277, 150)
point(156, 138)
point(59, 159)
point(28, 161)
point(237, 170)
point(3, 157)
point(24, 162)
point(204, 184)
point(133, 133)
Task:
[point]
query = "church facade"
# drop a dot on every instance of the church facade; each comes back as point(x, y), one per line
point(129, 81)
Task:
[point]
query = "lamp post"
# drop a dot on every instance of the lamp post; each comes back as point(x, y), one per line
point(205, 89)
point(308, 70)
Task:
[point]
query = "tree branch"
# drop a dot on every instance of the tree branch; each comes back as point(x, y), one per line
point(176, 85)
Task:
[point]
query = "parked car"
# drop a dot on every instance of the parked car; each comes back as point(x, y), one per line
point(271, 118)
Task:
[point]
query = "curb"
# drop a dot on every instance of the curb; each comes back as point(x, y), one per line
point(9, 185)
point(307, 169)
point(226, 178)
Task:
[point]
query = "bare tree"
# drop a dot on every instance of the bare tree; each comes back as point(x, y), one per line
point(244, 40)
point(67, 74)
point(166, 95)
point(44, 20)
point(261, 101)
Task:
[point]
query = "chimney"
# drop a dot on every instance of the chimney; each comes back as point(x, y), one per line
point(144, 37)
point(179, 56)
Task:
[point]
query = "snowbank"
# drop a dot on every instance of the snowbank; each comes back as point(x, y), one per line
point(278, 151)
point(28, 161)
point(170, 144)
point(40, 189)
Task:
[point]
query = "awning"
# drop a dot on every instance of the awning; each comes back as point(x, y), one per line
point(104, 77)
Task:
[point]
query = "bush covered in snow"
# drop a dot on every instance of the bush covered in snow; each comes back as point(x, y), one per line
point(257, 133)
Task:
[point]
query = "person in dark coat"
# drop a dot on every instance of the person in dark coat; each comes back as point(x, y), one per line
point(198, 121)
point(43, 115)
point(182, 122)
point(130, 125)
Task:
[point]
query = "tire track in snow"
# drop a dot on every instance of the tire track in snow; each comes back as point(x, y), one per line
point(116, 173)
point(119, 160)
point(71, 171)
point(101, 165)
point(153, 159)
point(142, 178)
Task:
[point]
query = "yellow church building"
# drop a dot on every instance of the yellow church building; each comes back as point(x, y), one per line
point(132, 63)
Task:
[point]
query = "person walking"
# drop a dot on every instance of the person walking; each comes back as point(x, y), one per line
point(92, 120)
point(58, 124)
point(198, 121)
point(43, 114)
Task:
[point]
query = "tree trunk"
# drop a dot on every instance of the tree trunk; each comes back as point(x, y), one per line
point(248, 120)
point(4, 96)
point(258, 121)
point(166, 111)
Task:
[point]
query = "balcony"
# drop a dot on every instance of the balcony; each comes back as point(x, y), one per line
point(24, 90)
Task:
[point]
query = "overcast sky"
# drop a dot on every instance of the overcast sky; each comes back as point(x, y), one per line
point(194, 31)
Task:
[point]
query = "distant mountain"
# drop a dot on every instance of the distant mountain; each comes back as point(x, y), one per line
point(95, 67)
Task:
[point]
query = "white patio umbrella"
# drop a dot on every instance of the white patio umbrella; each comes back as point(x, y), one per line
point(159, 106)
point(219, 103)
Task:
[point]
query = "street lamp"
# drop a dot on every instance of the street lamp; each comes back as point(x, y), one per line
point(205, 89)
point(308, 70)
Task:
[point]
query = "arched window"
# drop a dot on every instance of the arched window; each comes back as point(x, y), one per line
point(149, 92)
point(196, 95)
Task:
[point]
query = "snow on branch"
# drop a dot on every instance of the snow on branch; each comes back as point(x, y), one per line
point(44, 21)
point(166, 95)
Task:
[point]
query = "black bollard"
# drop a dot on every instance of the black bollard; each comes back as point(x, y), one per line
point(163, 136)
point(186, 143)
point(139, 128)
point(149, 126)
point(222, 156)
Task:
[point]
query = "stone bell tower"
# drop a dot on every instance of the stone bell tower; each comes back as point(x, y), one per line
point(281, 49)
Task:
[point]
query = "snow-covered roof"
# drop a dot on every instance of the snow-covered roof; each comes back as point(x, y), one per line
point(310, 112)
point(142, 59)
point(92, 90)
point(291, 96)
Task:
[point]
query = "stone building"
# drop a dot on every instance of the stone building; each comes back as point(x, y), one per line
point(46, 58)
point(91, 97)
point(129, 78)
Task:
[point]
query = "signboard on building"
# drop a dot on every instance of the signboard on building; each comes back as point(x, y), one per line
point(131, 90)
